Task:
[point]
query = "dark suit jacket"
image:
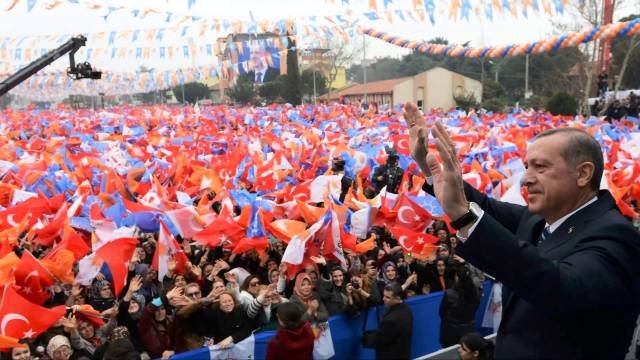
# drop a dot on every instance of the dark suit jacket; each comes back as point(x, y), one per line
point(574, 296)
point(392, 340)
point(270, 75)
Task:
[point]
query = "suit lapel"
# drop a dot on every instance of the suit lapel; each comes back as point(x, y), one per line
point(572, 226)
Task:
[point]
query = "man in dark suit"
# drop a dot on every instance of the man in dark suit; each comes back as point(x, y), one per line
point(392, 339)
point(261, 72)
point(569, 262)
point(263, 76)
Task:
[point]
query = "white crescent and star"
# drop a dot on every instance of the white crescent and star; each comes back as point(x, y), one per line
point(401, 216)
point(14, 317)
point(403, 144)
point(401, 240)
point(10, 220)
point(29, 275)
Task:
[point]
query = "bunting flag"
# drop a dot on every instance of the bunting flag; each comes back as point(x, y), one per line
point(608, 31)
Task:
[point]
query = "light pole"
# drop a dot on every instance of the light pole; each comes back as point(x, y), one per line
point(526, 77)
point(364, 66)
point(314, 85)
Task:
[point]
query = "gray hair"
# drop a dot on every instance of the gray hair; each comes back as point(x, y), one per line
point(581, 147)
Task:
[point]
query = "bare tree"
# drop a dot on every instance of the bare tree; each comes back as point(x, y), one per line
point(590, 14)
point(342, 55)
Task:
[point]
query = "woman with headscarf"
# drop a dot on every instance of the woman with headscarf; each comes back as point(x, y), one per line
point(130, 310)
point(59, 348)
point(85, 336)
point(389, 276)
point(156, 329)
point(151, 287)
point(102, 295)
point(116, 337)
point(310, 303)
point(333, 292)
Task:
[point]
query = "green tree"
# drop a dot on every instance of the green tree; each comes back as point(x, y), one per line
point(273, 90)
point(307, 83)
point(242, 91)
point(193, 92)
point(466, 101)
point(492, 90)
point(293, 93)
point(5, 100)
point(548, 73)
point(562, 104)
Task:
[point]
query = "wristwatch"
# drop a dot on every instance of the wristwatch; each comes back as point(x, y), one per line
point(472, 215)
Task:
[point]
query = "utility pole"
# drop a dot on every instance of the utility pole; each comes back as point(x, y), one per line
point(314, 85)
point(364, 65)
point(526, 77)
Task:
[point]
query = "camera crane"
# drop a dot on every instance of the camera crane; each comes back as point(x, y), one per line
point(76, 71)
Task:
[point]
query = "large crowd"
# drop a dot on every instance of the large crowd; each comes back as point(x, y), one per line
point(150, 231)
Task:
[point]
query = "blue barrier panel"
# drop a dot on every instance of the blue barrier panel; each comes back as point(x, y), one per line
point(346, 331)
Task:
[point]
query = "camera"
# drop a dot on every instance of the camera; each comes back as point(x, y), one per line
point(84, 71)
point(355, 284)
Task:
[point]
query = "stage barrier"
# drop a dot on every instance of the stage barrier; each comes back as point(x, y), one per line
point(347, 331)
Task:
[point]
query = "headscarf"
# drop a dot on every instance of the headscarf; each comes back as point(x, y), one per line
point(297, 289)
point(97, 285)
point(57, 342)
point(139, 298)
point(386, 280)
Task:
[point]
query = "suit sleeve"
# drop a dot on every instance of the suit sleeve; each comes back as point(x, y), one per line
point(505, 213)
point(600, 274)
point(386, 333)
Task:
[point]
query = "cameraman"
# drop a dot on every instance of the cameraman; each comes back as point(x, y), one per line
point(389, 175)
point(337, 168)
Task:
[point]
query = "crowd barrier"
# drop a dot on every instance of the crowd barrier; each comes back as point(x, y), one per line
point(346, 331)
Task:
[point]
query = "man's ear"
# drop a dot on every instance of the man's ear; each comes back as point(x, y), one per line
point(585, 172)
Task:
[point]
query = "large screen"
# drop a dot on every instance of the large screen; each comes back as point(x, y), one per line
point(261, 64)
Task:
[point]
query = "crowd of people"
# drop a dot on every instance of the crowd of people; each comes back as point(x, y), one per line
point(210, 292)
point(617, 109)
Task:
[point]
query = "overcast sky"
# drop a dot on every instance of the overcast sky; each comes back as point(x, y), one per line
point(77, 18)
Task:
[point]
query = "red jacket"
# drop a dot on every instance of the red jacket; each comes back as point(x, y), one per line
point(291, 344)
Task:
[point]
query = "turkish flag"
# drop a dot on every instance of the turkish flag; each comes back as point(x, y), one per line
point(33, 279)
point(222, 231)
point(71, 241)
point(20, 318)
point(411, 215)
point(52, 230)
point(411, 241)
point(117, 254)
point(12, 216)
